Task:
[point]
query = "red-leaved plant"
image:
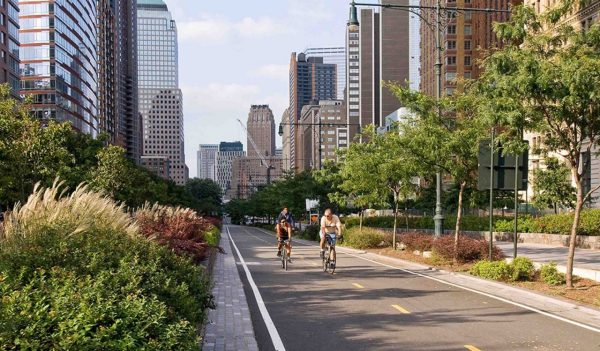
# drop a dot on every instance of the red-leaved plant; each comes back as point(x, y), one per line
point(181, 229)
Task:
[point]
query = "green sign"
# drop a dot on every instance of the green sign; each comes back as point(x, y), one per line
point(504, 169)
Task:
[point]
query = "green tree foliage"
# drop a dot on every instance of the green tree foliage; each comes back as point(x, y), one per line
point(33, 151)
point(552, 186)
point(207, 194)
point(546, 79)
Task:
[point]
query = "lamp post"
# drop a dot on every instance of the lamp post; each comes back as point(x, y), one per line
point(320, 124)
point(436, 27)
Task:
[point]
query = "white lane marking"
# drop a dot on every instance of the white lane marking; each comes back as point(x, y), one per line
point(532, 309)
point(277, 343)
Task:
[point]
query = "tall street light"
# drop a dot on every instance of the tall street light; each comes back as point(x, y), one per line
point(436, 27)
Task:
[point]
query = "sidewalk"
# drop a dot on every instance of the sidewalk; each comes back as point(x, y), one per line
point(229, 326)
point(586, 264)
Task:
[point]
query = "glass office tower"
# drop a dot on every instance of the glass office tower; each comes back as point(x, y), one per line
point(59, 64)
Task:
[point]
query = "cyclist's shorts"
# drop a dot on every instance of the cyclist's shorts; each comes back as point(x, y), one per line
point(331, 238)
point(283, 238)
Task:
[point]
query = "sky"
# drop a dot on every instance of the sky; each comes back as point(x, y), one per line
point(233, 54)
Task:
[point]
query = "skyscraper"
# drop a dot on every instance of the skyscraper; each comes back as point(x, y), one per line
point(378, 51)
point(310, 80)
point(160, 99)
point(117, 68)
point(336, 56)
point(261, 128)
point(10, 46)
point(59, 60)
point(207, 161)
point(228, 152)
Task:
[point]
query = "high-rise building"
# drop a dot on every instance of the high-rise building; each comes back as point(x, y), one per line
point(310, 80)
point(160, 99)
point(261, 129)
point(59, 68)
point(284, 131)
point(117, 75)
point(228, 152)
point(467, 36)
point(336, 56)
point(378, 51)
point(322, 131)
point(10, 46)
point(260, 166)
point(207, 161)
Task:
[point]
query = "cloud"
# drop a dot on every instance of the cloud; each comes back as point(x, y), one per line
point(273, 71)
point(209, 29)
point(309, 10)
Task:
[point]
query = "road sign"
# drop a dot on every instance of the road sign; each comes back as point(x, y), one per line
point(504, 169)
point(310, 204)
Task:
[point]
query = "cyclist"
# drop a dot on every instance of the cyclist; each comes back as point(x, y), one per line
point(284, 232)
point(332, 227)
point(285, 213)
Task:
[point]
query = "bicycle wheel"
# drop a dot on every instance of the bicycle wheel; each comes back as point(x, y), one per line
point(283, 253)
point(325, 260)
point(332, 267)
point(285, 258)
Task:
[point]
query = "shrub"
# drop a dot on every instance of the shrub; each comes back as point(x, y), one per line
point(417, 241)
point(495, 270)
point(469, 249)
point(213, 236)
point(51, 208)
point(522, 269)
point(180, 229)
point(369, 238)
point(310, 232)
point(550, 275)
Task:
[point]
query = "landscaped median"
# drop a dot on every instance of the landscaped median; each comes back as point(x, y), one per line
point(472, 259)
point(78, 272)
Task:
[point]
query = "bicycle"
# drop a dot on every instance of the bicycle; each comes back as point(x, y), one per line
point(284, 254)
point(328, 265)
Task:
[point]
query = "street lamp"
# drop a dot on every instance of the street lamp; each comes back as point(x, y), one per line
point(437, 28)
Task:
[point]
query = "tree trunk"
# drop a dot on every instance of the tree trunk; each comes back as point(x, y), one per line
point(395, 226)
point(573, 237)
point(458, 220)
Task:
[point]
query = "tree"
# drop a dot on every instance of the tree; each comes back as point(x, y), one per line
point(546, 79)
point(111, 175)
point(443, 142)
point(207, 193)
point(552, 186)
point(359, 185)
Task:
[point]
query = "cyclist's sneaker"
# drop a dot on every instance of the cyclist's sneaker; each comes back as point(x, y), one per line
point(322, 254)
point(278, 253)
point(332, 264)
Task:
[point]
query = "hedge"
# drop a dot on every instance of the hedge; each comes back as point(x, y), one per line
point(549, 224)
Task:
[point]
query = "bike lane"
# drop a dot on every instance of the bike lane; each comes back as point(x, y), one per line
point(367, 306)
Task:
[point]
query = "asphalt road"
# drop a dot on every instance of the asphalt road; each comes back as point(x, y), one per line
point(368, 306)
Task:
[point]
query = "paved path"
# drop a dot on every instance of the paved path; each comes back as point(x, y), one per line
point(588, 259)
point(380, 304)
point(229, 326)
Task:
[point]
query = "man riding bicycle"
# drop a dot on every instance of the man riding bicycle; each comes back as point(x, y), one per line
point(330, 227)
point(284, 232)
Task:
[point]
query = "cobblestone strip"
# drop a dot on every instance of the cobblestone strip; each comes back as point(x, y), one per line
point(229, 326)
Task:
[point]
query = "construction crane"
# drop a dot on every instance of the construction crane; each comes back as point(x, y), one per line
point(263, 160)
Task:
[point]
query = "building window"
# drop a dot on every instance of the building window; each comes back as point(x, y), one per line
point(451, 45)
point(467, 29)
point(452, 29)
point(467, 45)
point(467, 60)
point(450, 60)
